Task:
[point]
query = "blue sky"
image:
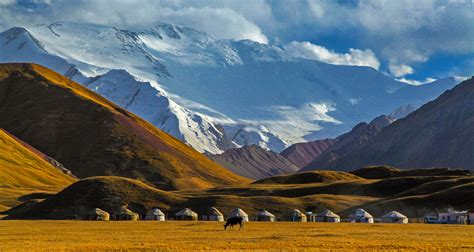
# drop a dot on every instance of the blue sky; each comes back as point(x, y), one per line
point(408, 39)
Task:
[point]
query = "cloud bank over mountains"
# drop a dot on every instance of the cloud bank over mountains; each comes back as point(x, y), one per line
point(396, 37)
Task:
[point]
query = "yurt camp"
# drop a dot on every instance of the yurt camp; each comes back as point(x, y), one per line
point(98, 214)
point(394, 217)
point(186, 214)
point(298, 216)
point(155, 214)
point(264, 215)
point(213, 214)
point(127, 214)
point(361, 216)
point(327, 216)
point(240, 213)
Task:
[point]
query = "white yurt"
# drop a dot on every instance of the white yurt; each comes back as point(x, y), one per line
point(213, 214)
point(327, 216)
point(264, 215)
point(394, 217)
point(186, 214)
point(155, 214)
point(239, 213)
point(298, 216)
point(361, 216)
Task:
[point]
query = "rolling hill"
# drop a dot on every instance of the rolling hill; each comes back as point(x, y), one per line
point(25, 170)
point(339, 191)
point(254, 162)
point(439, 134)
point(92, 136)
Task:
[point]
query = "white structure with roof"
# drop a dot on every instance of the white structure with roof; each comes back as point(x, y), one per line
point(394, 217)
point(155, 214)
point(327, 216)
point(361, 216)
point(264, 215)
point(240, 213)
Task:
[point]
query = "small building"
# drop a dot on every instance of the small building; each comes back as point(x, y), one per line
point(453, 217)
point(240, 213)
point(186, 214)
point(432, 218)
point(361, 216)
point(327, 216)
point(298, 216)
point(155, 214)
point(127, 214)
point(213, 214)
point(98, 214)
point(394, 217)
point(470, 217)
point(264, 215)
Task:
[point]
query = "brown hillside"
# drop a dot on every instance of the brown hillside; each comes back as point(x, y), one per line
point(310, 177)
point(24, 170)
point(92, 136)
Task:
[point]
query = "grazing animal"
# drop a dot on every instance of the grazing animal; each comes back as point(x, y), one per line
point(233, 221)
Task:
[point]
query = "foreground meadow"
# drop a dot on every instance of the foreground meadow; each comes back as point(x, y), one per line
point(87, 235)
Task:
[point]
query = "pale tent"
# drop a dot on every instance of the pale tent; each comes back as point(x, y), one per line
point(361, 216)
point(327, 216)
point(186, 214)
point(155, 214)
point(98, 214)
point(298, 216)
point(127, 214)
point(213, 214)
point(394, 217)
point(265, 216)
point(239, 213)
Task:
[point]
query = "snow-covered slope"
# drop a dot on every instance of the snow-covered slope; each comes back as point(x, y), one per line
point(190, 84)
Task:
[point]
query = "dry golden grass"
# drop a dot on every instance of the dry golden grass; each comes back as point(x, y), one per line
point(81, 235)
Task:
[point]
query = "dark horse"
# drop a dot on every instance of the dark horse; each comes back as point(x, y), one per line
point(233, 221)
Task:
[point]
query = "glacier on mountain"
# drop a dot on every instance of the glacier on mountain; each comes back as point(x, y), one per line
point(214, 94)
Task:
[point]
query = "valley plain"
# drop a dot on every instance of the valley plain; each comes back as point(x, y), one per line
point(174, 235)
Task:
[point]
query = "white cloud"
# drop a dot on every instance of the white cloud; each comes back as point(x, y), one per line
point(7, 2)
point(416, 82)
point(400, 70)
point(354, 57)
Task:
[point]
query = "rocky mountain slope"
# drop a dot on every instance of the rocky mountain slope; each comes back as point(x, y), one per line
point(92, 136)
point(439, 134)
point(188, 83)
point(254, 162)
point(302, 154)
point(347, 143)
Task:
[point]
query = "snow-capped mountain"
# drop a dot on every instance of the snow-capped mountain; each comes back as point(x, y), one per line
point(193, 86)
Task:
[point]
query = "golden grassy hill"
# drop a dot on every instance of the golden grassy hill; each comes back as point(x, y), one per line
point(23, 170)
point(413, 195)
point(91, 136)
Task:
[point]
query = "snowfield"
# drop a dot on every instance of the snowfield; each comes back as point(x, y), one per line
point(215, 94)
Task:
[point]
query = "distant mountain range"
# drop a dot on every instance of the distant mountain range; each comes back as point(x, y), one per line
point(215, 94)
point(439, 134)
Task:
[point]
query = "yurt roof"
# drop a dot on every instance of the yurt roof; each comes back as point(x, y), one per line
point(127, 211)
point(394, 214)
point(298, 212)
point(156, 211)
point(186, 212)
point(99, 211)
point(328, 213)
point(365, 213)
point(265, 213)
point(215, 211)
point(239, 212)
